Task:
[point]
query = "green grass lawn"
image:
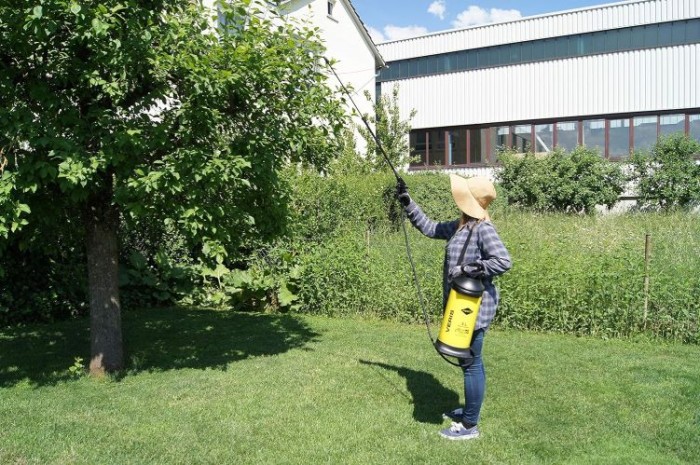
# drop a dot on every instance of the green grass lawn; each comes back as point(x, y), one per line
point(211, 387)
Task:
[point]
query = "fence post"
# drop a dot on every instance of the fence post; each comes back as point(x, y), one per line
point(647, 256)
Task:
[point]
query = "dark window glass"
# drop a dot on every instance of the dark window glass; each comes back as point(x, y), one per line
point(651, 35)
point(441, 63)
point(678, 34)
point(485, 58)
point(417, 141)
point(692, 31)
point(544, 137)
point(522, 138)
point(413, 67)
point(423, 66)
point(502, 141)
point(472, 59)
point(637, 36)
point(463, 57)
point(619, 139)
point(669, 124)
point(403, 71)
point(457, 148)
point(562, 47)
point(594, 135)
point(549, 46)
point(644, 132)
point(624, 39)
point(377, 92)
point(515, 51)
point(504, 54)
point(537, 50)
point(665, 34)
point(598, 42)
point(432, 64)
point(477, 146)
point(576, 46)
point(526, 51)
point(611, 40)
point(694, 128)
point(436, 147)
point(567, 135)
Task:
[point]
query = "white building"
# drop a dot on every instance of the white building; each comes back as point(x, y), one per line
point(614, 76)
point(356, 58)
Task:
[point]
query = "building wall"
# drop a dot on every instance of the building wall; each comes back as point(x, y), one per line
point(639, 81)
point(355, 62)
point(617, 97)
point(632, 81)
point(614, 15)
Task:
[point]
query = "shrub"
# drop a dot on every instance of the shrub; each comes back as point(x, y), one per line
point(560, 182)
point(668, 177)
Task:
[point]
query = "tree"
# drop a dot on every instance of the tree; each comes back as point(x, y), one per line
point(117, 110)
point(668, 177)
point(391, 131)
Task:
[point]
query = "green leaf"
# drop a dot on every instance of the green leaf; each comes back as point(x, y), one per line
point(75, 8)
point(38, 12)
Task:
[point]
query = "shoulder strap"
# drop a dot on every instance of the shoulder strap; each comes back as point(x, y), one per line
point(466, 244)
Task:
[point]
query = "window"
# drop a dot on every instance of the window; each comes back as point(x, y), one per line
point(567, 135)
point(478, 146)
point(669, 124)
point(671, 33)
point(436, 147)
point(457, 148)
point(644, 132)
point(619, 138)
point(522, 138)
point(418, 145)
point(594, 134)
point(502, 138)
point(544, 137)
point(331, 6)
point(694, 127)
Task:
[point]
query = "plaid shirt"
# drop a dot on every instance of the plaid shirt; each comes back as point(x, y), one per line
point(485, 248)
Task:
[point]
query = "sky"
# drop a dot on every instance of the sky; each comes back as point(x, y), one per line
point(388, 20)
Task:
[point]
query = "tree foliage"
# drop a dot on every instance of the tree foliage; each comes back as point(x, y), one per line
point(560, 181)
point(668, 177)
point(120, 110)
point(390, 129)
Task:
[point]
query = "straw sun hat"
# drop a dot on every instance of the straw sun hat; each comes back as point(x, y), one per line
point(472, 195)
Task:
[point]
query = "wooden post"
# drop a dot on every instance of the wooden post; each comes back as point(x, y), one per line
point(647, 256)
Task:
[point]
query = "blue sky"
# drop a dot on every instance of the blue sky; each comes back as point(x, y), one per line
point(399, 19)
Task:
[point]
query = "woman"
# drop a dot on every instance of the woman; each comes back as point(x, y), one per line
point(485, 258)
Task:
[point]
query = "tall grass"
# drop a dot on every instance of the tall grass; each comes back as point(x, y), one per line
point(573, 274)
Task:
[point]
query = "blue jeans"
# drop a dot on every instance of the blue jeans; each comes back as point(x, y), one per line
point(474, 381)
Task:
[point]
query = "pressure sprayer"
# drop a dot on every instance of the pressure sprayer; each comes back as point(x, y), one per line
point(464, 299)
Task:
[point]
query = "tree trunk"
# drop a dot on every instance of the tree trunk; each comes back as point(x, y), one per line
point(101, 223)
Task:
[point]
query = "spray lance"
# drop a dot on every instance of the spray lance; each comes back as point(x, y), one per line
point(464, 299)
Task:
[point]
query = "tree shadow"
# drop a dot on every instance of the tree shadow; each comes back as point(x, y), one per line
point(154, 340)
point(429, 397)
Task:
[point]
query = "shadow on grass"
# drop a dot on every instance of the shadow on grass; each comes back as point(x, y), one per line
point(429, 397)
point(154, 340)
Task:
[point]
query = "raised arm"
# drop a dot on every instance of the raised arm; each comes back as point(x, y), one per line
point(428, 227)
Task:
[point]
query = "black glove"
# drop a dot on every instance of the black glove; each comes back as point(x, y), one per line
point(474, 270)
point(402, 192)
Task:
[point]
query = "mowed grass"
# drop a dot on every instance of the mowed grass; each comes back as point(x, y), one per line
point(214, 387)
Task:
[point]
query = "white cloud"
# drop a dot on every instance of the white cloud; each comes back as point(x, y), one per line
point(437, 8)
point(475, 15)
point(376, 35)
point(397, 33)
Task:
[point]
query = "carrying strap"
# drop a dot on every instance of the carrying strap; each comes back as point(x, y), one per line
point(466, 244)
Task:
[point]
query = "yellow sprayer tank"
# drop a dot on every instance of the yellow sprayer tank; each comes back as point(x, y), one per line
point(460, 315)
